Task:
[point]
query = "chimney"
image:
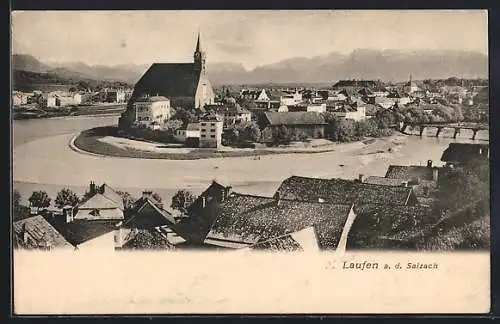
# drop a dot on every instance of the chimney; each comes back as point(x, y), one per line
point(147, 194)
point(203, 201)
point(92, 188)
point(68, 213)
point(429, 163)
point(435, 174)
point(24, 233)
point(361, 178)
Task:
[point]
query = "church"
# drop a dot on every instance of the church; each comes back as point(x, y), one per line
point(186, 85)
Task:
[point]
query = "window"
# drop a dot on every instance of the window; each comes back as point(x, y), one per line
point(212, 124)
point(203, 124)
point(212, 130)
point(203, 130)
point(203, 135)
point(212, 136)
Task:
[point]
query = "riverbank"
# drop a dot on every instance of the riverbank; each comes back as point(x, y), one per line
point(104, 142)
point(65, 112)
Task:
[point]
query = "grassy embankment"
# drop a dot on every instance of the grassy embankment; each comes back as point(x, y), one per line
point(88, 141)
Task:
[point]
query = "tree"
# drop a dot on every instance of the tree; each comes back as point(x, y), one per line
point(156, 197)
point(66, 197)
point(172, 125)
point(186, 116)
point(39, 199)
point(182, 199)
point(16, 199)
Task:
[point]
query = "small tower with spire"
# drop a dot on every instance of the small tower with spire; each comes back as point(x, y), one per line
point(199, 56)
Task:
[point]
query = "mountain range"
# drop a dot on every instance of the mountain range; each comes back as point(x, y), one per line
point(387, 65)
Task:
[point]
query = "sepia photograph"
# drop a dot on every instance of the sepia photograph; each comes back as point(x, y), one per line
point(245, 161)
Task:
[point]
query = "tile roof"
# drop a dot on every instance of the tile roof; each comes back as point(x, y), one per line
point(341, 191)
point(152, 99)
point(193, 127)
point(152, 239)
point(376, 225)
point(464, 152)
point(227, 109)
point(40, 233)
point(169, 80)
point(81, 231)
point(383, 181)
point(98, 201)
point(302, 240)
point(409, 172)
point(104, 197)
point(252, 219)
point(294, 118)
point(146, 214)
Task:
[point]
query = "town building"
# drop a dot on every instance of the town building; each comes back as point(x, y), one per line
point(102, 203)
point(152, 112)
point(342, 191)
point(245, 220)
point(310, 123)
point(231, 111)
point(379, 226)
point(463, 153)
point(20, 98)
point(186, 84)
point(211, 127)
point(117, 96)
point(290, 99)
point(355, 111)
point(63, 99)
point(192, 131)
point(147, 227)
point(37, 233)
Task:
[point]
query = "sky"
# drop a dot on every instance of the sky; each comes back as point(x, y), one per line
point(252, 38)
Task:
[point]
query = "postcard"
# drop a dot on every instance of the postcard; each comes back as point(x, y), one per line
point(250, 162)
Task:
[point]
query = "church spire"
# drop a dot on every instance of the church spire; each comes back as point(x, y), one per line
point(199, 55)
point(198, 48)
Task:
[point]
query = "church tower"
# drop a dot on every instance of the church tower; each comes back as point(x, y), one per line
point(199, 56)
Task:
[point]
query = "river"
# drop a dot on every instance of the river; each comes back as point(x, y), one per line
point(42, 160)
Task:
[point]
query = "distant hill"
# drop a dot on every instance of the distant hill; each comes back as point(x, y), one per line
point(388, 65)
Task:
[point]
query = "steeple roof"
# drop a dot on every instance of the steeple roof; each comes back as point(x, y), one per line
point(198, 47)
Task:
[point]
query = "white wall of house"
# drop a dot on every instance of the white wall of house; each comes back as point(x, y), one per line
point(263, 96)
point(321, 108)
point(103, 243)
point(152, 114)
point(211, 133)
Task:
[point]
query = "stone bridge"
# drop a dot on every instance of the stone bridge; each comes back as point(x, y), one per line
point(456, 126)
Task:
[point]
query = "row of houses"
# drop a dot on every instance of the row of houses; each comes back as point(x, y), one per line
point(303, 214)
point(69, 98)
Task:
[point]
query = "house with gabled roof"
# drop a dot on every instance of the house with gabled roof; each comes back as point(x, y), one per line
point(103, 203)
point(310, 123)
point(246, 220)
point(342, 191)
point(463, 153)
point(91, 224)
point(388, 227)
point(37, 233)
point(147, 226)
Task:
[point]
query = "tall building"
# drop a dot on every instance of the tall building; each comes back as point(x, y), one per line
point(186, 85)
